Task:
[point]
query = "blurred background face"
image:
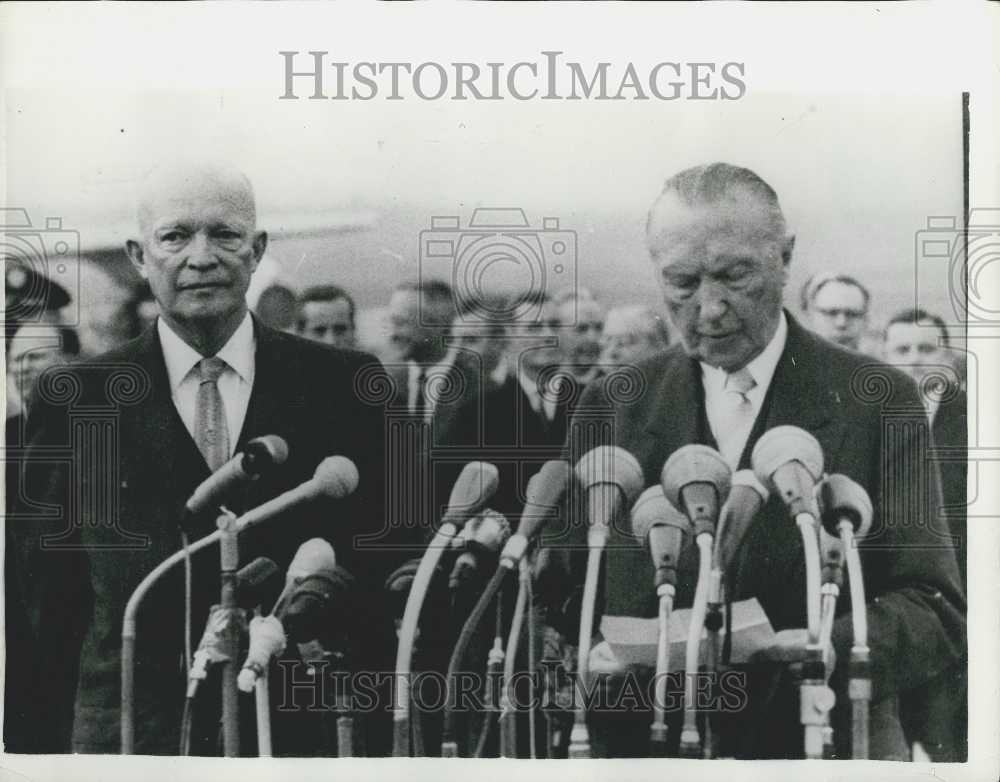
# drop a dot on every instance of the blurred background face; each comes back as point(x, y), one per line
point(582, 323)
point(837, 312)
point(545, 329)
point(721, 270)
point(329, 322)
point(32, 351)
point(915, 349)
point(631, 335)
point(409, 338)
point(489, 342)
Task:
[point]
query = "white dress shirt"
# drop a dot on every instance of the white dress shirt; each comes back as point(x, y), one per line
point(732, 434)
point(235, 383)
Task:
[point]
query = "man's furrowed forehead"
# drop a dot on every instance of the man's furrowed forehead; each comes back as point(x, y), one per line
point(722, 226)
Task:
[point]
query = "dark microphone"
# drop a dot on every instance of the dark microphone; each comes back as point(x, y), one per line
point(747, 495)
point(843, 500)
point(474, 487)
point(545, 489)
point(254, 581)
point(260, 455)
point(696, 479)
point(480, 539)
point(311, 579)
point(658, 525)
point(612, 479)
point(789, 461)
point(251, 579)
point(335, 477)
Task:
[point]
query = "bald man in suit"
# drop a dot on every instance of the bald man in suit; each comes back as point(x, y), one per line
point(168, 408)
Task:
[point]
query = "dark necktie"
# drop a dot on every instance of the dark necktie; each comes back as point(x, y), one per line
point(420, 402)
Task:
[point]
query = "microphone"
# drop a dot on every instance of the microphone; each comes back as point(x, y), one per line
point(261, 454)
point(474, 487)
point(747, 495)
point(336, 477)
point(311, 580)
point(250, 580)
point(481, 537)
point(846, 513)
point(789, 461)
point(844, 501)
point(611, 477)
point(545, 489)
point(254, 581)
point(662, 529)
point(696, 479)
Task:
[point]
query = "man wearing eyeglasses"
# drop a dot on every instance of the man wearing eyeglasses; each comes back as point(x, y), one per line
point(837, 307)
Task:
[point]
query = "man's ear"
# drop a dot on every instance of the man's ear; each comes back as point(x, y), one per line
point(259, 246)
point(133, 250)
point(786, 249)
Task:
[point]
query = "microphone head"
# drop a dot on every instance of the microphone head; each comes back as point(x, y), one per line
point(694, 464)
point(488, 530)
point(264, 452)
point(475, 486)
point(784, 444)
point(841, 498)
point(653, 509)
point(609, 464)
point(313, 556)
point(336, 477)
point(255, 580)
point(542, 495)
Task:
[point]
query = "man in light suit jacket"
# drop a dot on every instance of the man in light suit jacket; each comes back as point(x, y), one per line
point(721, 251)
point(120, 442)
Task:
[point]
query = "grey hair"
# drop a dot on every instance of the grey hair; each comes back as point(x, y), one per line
point(712, 183)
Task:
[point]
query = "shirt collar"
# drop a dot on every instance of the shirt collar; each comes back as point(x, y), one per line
point(181, 358)
point(762, 367)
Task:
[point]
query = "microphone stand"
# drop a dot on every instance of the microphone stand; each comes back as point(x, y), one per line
point(407, 635)
point(229, 557)
point(658, 730)
point(262, 703)
point(859, 688)
point(690, 739)
point(597, 535)
point(815, 698)
point(129, 637)
point(508, 715)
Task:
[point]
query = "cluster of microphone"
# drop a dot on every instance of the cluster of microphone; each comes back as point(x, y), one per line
point(302, 615)
point(700, 498)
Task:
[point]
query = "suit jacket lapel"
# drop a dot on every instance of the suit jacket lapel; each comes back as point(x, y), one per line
point(159, 428)
point(273, 384)
point(801, 395)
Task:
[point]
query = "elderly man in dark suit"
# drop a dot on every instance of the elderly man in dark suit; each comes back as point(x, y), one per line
point(721, 250)
point(120, 442)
